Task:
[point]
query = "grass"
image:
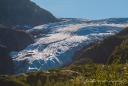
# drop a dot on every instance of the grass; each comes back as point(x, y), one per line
point(75, 75)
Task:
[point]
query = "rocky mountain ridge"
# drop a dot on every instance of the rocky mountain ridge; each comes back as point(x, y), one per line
point(23, 12)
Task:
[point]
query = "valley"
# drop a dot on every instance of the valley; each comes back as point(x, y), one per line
point(38, 48)
point(61, 40)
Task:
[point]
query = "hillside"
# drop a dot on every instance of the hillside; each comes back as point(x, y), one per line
point(11, 39)
point(89, 74)
point(112, 47)
point(23, 12)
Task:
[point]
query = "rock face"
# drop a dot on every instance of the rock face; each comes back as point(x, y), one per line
point(23, 12)
point(6, 63)
point(13, 38)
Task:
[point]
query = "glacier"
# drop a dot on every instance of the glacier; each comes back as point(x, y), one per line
point(59, 41)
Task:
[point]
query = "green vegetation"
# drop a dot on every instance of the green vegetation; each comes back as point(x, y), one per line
point(89, 74)
point(120, 52)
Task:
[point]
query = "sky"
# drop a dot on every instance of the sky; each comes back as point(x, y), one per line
point(87, 9)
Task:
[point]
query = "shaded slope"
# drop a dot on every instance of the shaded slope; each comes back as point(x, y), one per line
point(13, 38)
point(6, 63)
point(23, 12)
point(102, 50)
point(120, 53)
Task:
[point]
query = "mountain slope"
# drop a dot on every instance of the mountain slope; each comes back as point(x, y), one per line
point(120, 52)
point(109, 49)
point(14, 39)
point(63, 39)
point(23, 12)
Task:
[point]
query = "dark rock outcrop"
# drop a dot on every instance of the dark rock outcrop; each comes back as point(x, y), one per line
point(23, 12)
point(6, 63)
point(14, 39)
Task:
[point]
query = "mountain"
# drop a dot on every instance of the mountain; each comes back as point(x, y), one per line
point(6, 62)
point(23, 13)
point(58, 42)
point(15, 15)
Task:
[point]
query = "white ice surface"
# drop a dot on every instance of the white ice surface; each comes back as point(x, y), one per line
point(63, 39)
